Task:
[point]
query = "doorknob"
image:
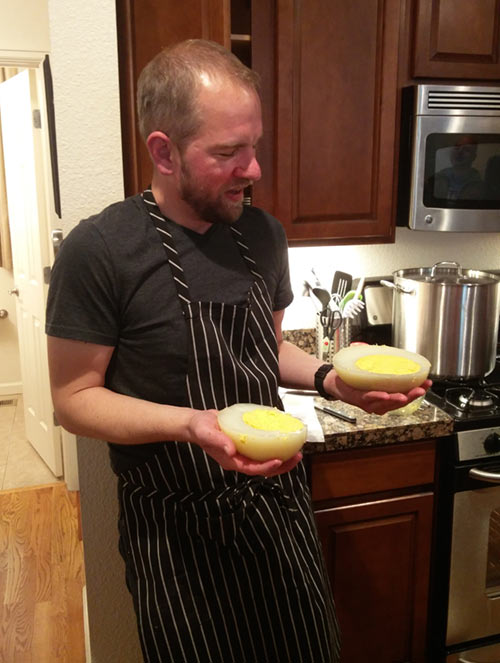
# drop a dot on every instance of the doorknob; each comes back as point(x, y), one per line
point(14, 291)
point(57, 238)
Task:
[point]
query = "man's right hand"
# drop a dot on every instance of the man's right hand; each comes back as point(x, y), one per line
point(205, 431)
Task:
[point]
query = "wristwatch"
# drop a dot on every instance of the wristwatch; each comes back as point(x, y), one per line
point(319, 378)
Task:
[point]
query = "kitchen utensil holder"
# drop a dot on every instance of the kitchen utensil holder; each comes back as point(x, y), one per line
point(326, 348)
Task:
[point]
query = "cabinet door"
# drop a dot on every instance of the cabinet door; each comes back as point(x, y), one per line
point(378, 557)
point(332, 88)
point(457, 39)
point(144, 27)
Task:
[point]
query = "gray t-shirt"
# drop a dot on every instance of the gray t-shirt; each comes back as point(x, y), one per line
point(111, 285)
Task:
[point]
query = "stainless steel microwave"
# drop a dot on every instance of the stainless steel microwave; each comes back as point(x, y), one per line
point(449, 172)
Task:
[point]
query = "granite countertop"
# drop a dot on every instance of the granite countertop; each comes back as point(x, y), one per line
point(371, 430)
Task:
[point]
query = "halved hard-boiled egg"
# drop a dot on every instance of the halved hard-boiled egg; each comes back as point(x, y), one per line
point(381, 368)
point(261, 432)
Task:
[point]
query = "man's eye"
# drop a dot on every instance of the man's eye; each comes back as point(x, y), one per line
point(226, 154)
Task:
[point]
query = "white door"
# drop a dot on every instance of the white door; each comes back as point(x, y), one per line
point(28, 222)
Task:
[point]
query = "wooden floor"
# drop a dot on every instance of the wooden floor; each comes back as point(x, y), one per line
point(41, 576)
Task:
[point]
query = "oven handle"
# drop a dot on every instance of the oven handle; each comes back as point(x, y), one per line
point(482, 475)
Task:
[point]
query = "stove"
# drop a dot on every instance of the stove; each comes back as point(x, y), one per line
point(465, 579)
point(470, 403)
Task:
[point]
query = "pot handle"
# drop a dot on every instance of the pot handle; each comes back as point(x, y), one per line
point(444, 263)
point(398, 288)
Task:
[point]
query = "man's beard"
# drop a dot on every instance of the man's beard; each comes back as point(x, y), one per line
point(211, 211)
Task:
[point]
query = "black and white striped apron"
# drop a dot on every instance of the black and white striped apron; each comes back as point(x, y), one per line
point(224, 567)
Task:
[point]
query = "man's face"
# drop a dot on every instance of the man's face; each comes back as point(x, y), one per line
point(463, 154)
point(219, 162)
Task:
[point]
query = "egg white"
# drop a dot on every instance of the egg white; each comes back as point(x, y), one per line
point(345, 360)
point(257, 444)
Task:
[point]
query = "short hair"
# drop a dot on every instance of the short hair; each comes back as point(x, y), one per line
point(168, 86)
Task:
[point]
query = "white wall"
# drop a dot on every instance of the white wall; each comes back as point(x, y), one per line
point(24, 25)
point(87, 105)
point(86, 98)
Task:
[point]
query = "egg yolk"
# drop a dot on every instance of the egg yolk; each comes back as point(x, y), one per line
point(272, 420)
point(387, 364)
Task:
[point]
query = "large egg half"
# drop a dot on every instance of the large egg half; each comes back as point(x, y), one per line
point(381, 368)
point(261, 432)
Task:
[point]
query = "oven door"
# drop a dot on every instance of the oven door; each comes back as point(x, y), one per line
point(474, 592)
point(489, 654)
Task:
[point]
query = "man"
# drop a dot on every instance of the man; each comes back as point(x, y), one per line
point(460, 180)
point(163, 309)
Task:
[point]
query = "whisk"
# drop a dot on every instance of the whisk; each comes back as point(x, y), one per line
point(355, 305)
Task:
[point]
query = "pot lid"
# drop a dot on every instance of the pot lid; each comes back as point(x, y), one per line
point(448, 273)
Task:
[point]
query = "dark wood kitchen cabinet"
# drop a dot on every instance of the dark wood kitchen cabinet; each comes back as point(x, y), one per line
point(457, 39)
point(329, 90)
point(374, 511)
point(333, 96)
point(144, 27)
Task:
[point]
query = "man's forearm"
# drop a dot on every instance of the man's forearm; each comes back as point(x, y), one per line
point(297, 368)
point(102, 414)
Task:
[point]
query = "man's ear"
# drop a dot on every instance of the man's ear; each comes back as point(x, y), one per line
point(162, 151)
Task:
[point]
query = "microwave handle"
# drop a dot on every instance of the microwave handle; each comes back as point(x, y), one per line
point(482, 475)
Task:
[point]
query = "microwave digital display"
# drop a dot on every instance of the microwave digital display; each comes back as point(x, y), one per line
point(462, 171)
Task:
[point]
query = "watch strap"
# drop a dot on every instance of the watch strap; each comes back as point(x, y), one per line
point(319, 378)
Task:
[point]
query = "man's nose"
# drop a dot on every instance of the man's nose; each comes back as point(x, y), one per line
point(250, 171)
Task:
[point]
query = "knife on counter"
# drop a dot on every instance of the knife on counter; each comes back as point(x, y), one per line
point(335, 413)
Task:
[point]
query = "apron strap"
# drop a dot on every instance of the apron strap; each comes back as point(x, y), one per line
point(160, 223)
point(245, 253)
point(167, 240)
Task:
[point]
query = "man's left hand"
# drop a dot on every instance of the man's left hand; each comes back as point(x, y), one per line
point(373, 402)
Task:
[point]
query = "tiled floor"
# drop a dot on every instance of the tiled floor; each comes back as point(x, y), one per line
point(20, 465)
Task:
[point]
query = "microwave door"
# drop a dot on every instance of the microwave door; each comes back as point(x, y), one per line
point(455, 174)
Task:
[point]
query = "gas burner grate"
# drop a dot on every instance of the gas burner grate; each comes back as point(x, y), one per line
point(475, 399)
point(473, 402)
point(467, 398)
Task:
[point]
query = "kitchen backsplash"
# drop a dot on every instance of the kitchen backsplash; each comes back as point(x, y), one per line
point(411, 249)
point(303, 338)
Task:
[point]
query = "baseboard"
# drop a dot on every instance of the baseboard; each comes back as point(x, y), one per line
point(11, 388)
point(70, 460)
point(88, 655)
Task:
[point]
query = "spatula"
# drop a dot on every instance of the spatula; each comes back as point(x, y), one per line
point(342, 283)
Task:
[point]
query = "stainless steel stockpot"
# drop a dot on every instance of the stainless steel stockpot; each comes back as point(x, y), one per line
point(449, 315)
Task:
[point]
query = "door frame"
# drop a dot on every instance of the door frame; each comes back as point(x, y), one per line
point(34, 60)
